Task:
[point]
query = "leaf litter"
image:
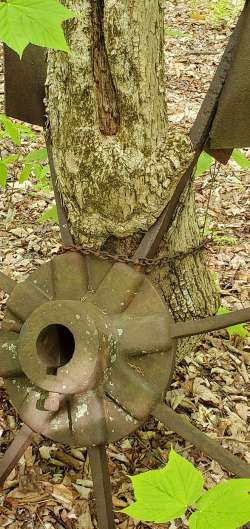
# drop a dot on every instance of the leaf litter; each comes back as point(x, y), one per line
point(51, 488)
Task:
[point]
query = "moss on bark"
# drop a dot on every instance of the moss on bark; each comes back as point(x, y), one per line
point(117, 159)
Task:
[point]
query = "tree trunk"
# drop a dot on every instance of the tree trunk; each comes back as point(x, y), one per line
point(116, 157)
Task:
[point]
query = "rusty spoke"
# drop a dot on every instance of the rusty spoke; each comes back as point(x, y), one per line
point(135, 337)
point(212, 323)
point(6, 283)
point(102, 486)
point(15, 452)
point(180, 425)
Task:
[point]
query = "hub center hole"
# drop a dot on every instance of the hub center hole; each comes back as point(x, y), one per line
point(55, 347)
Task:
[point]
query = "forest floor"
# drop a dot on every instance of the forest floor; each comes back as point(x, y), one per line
point(48, 490)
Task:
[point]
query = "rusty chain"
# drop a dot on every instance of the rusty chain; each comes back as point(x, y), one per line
point(146, 263)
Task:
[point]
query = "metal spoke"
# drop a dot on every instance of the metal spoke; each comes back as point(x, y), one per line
point(102, 487)
point(66, 236)
point(6, 283)
point(213, 323)
point(180, 425)
point(15, 452)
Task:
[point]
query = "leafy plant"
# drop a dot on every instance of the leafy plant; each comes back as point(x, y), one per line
point(49, 214)
point(206, 161)
point(33, 164)
point(33, 21)
point(224, 10)
point(218, 238)
point(175, 33)
point(240, 158)
point(177, 490)
point(235, 330)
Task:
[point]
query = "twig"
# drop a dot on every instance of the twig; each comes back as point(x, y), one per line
point(214, 174)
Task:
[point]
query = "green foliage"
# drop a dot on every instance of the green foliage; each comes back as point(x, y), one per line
point(14, 131)
point(166, 494)
point(204, 163)
point(235, 330)
point(33, 21)
point(240, 158)
point(226, 506)
point(221, 240)
point(175, 33)
point(33, 164)
point(49, 214)
point(224, 10)
point(215, 12)
point(3, 174)
point(162, 495)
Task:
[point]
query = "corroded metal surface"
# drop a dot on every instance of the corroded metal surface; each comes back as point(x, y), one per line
point(231, 125)
point(211, 323)
point(174, 421)
point(6, 283)
point(93, 351)
point(25, 84)
point(15, 452)
point(199, 133)
point(102, 487)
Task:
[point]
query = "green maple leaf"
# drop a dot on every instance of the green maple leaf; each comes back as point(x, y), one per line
point(33, 21)
point(226, 506)
point(163, 495)
point(235, 330)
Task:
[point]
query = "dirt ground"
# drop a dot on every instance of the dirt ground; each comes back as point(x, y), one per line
point(48, 489)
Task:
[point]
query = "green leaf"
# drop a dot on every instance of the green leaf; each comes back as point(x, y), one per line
point(240, 159)
point(175, 33)
point(10, 127)
point(8, 160)
point(204, 163)
point(163, 495)
point(25, 173)
point(3, 174)
point(37, 155)
point(235, 330)
point(38, 169)
point(33, 21)
point(49, 214)
point(226, 506)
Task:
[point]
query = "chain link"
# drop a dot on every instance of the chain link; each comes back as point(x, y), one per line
point(146, 263)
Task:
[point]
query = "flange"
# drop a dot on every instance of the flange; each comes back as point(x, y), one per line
point(88, 343)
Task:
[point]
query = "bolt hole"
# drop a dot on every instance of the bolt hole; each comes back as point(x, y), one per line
point(55, 347)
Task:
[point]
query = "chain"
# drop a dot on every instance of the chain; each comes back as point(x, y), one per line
point(145, 262)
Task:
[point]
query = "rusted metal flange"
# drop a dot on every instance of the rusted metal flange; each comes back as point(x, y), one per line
point(89, 349)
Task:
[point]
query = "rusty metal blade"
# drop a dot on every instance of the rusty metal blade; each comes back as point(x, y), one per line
point(15, 452)
point(212, 323)
point(213, 449)
point(6, 283)
point(25, 84)
point(200, 130)
point(66, 236)
point(102, 487)
point(231, 125)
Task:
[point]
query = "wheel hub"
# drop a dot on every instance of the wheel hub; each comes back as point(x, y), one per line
point(87, 343)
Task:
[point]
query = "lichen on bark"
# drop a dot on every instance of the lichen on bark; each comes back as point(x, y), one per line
point(116, 157)
point(114, 184)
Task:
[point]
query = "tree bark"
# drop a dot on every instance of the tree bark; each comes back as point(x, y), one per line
point(116, 157)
